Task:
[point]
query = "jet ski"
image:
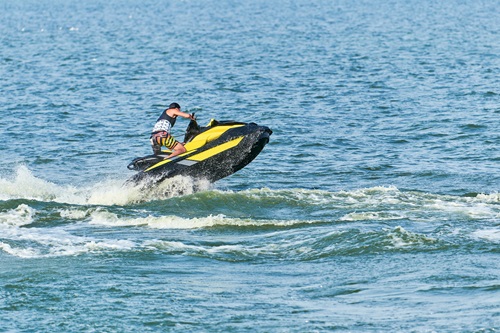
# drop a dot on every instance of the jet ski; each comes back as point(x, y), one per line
point(212, 153)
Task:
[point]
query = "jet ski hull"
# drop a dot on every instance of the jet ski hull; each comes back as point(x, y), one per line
point(216, 152)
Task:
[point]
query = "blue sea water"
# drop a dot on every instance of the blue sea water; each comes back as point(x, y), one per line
point(374, 208)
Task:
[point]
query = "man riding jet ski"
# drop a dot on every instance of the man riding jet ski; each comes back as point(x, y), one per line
point(212, 152)
point(161, 136)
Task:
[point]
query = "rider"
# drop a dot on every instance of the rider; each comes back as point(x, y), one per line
point(161, 136)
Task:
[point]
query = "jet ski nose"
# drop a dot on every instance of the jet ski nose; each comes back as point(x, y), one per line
point(266, 131)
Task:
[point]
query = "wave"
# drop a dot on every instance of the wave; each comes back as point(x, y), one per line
point(40, 218)
point(282, 244)
point(252, 207)
point(18, 240)
point(489, 234)
point(368, 204)
point(24, 185)
point(296, 246)
point(365, 203)
point(232, 239)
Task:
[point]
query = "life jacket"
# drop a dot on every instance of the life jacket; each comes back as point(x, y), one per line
point(164, 123)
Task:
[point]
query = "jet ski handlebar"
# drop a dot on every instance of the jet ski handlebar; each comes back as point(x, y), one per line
point(192, 130)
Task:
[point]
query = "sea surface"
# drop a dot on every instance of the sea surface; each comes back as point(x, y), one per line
point(374, 208)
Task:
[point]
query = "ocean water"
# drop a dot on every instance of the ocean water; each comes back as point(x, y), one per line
point(374, 208)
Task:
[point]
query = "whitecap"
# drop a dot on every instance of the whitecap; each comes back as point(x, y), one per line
point(22, 215)
point(74, 214)
point(400, 237)
point(367, 216)
point(103, 217)
point(490, 198)
point(39, 242)
point(492, 235)
point(18, 252)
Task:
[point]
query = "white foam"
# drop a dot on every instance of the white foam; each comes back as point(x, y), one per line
point(367, 216)
point(492, 235)
point(463, 206)
point(102, 217)
point(25, 185)
point(112, 192)
point(106, 218)
point(119, 244)
point(18, 252)
point(22, 215)
point(74, 214)
point(43, 242)
point(493, 197)
point(173, 246)
point(33, 242)
point(210, 250)
point(366, 203)
point(400, 237)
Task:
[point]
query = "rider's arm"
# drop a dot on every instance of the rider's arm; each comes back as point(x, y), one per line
point(181, 114)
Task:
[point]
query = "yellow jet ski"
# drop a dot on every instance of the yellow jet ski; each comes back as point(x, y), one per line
point(212, 152)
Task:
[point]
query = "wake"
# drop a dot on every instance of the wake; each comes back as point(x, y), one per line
point(25, 185)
